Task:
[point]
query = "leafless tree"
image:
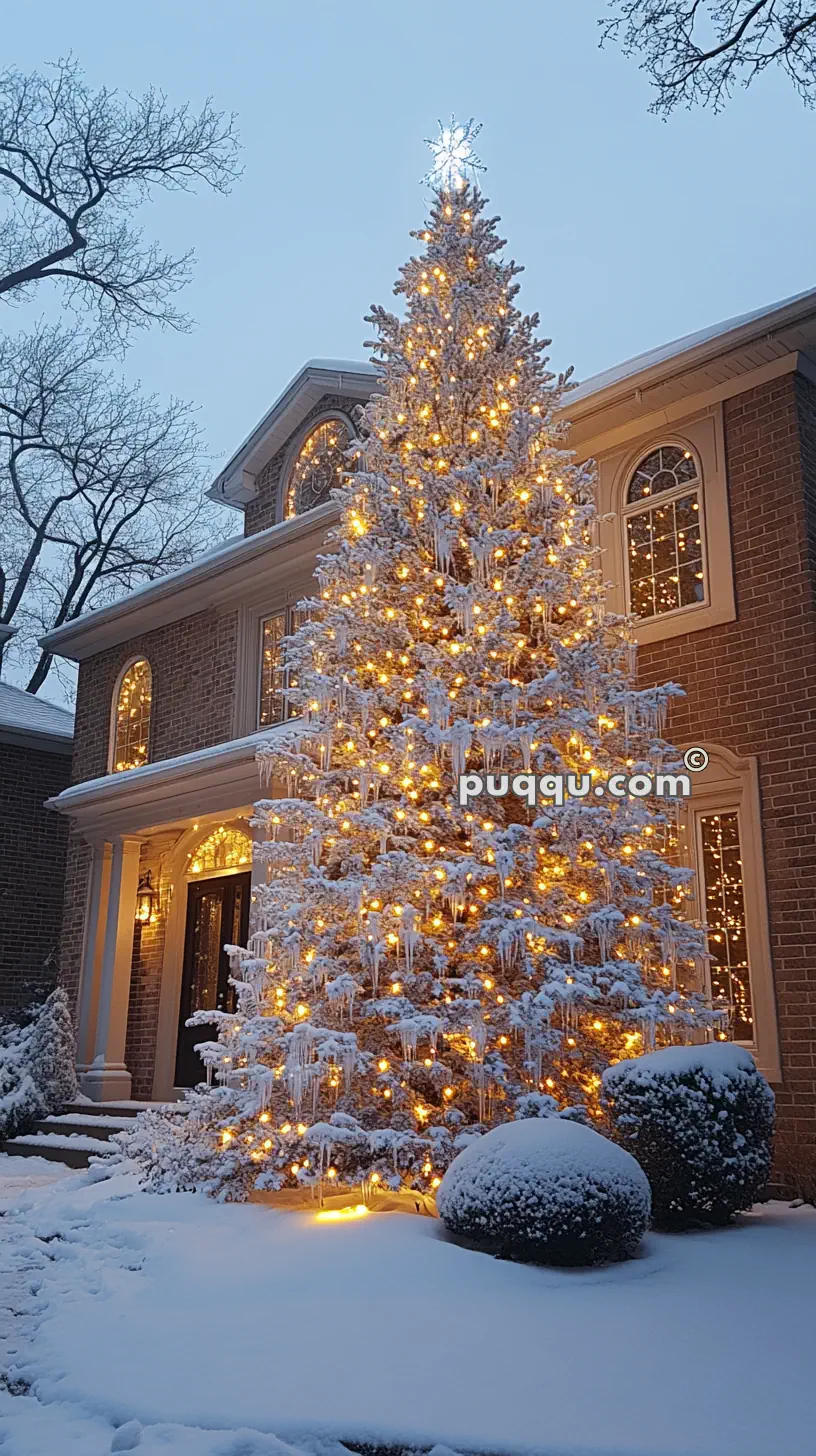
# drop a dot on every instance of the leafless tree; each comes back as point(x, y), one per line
point(74, 166)
point(100, 486)
point(697, 51)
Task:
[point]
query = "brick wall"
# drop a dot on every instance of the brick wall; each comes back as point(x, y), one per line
point(33, 842)
point(77, 869)
point(749, 686)
point(146, 975)
point(262, 511)
point(193, 663)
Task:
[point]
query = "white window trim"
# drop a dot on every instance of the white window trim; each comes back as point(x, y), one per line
point(288, 614)
point(649, 503)
point(726, 785)
point(251, 617)
point(294, 449)
point(704, 436)
point(114, 707)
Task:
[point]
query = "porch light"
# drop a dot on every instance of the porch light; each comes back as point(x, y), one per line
point(146, 899)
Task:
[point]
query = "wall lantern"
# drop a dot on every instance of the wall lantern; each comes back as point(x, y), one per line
point(146, 900)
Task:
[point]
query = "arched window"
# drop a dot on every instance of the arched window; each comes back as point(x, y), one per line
point(318, 466)
point(223, 849)
point(664, 537)
point(131, 725)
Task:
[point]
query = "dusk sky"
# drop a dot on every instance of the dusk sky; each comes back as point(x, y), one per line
point(632, 230)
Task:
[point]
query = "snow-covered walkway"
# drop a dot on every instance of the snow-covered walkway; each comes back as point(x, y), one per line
point(205, 1329)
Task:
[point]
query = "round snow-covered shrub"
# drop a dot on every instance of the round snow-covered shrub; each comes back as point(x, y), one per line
point(700, 1122)
point(546, 1190)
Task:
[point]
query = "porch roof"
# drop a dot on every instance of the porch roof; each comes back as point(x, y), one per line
point(216, 780)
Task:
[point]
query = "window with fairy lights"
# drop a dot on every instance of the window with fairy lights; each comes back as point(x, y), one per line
point(319, 465)
point(276, 675)
point(130, 735)
point(664, 535)
point(222, 849)
point(722, 886)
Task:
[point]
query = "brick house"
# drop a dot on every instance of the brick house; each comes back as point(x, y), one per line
point(706, 451)
point(35, 760)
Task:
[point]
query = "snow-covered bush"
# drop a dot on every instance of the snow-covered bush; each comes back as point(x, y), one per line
point(700, 1121)
point(180, 1150)
point(37, 1064)
point(546, 1190)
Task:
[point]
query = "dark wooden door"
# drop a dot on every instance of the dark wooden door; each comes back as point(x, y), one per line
point(217, 915)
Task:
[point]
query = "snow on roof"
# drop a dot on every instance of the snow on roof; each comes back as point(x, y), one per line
point(639, 363)
point(343, 369)
point(24, 713)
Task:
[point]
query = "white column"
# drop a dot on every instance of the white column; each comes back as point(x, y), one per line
point(108, 1079)
point(96, 910)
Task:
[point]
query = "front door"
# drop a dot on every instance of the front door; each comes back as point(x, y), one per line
point(217, 915)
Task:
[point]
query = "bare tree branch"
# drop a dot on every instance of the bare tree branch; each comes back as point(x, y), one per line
point(74, 166)
point(697, 51)
point(100, 486)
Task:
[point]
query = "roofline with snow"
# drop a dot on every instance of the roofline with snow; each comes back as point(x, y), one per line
point(206, 581)
point(196, 586)
point(35, 738)
point(670, 360)
point(235, 483)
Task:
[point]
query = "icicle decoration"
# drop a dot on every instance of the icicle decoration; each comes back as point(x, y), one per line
point(455, 902)
point(409, 936)
point(461, 598)
point(409, 1036)
point(492, 744)
point(481, 551)
point(444, 540)
point(438, 704)
point(505, 861)
point(525, 739)
point(460, 737)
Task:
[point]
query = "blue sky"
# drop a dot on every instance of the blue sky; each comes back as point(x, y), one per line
point(632, 230)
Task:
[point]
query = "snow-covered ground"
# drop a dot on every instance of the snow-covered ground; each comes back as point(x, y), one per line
point(203, 1329)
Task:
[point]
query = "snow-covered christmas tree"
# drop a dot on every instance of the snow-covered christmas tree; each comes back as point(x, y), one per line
point(419, 971)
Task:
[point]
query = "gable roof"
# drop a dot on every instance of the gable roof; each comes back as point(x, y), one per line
point(34, 722)
point(235, 482)
point(721, 352)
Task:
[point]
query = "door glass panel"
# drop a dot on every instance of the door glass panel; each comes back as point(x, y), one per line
point(206, 952)
point(237, 908)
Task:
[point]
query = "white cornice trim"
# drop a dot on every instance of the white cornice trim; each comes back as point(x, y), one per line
point(235, 483)
point(208, 581)
point(43, 742)
point(662, 364)
point(218, 779)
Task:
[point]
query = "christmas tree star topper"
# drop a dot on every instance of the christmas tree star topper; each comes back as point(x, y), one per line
point(455, 162)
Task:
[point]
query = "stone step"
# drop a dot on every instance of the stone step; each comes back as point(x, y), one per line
point(73, 1149)
point(112, 1109)
point(101, 1127)
point(79, 1133)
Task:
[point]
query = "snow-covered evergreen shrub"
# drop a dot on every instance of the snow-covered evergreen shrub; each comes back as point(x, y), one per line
point(546, 1190)
point(37, 1065)
point(700, 1121)
point(179, 1151)
point(53, 1052)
